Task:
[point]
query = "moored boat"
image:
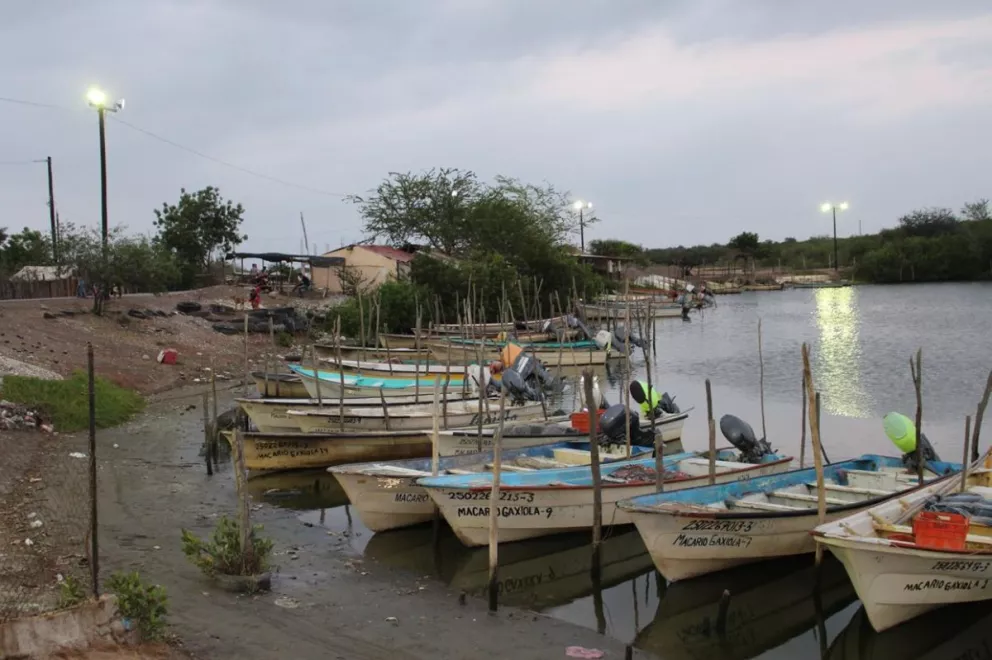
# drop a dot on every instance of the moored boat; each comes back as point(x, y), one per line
point(364, 386)
point(386, 495)
point(713, 528)
point(330, 352)
point(898, 572)
point(553, 501)
point(411, 417)
point(279, 385)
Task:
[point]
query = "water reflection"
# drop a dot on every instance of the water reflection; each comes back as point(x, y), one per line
point(300, 490)
point(838, 355)
point(768, 604)
point(959, 632)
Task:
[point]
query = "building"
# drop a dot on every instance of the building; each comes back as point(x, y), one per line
point(370, 265)
point(610, 267)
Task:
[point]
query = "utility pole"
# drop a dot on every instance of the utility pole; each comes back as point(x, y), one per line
point(836, 264)
point(101, 113)
point(306, 242)
point(51, 211)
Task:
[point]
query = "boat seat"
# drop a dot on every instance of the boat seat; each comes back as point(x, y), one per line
point(799, 497)
point(764, 506)
point(728, 465)
point(871, 492)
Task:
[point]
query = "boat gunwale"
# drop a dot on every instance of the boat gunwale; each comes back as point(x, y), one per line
point(611, 485)
point(669, 419)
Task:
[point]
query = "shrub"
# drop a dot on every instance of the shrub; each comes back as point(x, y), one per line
point(144, 604)
point(71, 591)
point(222, 554)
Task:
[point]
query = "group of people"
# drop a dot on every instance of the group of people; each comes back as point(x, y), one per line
point(260, 280)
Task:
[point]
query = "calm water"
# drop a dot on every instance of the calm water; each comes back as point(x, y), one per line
point(861, 340)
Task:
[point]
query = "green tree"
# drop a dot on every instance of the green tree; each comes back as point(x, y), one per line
point(615, 248)
point(929, 222)
point(746, 242)
point(977, 211)
point(26, 248)
point(195, 227)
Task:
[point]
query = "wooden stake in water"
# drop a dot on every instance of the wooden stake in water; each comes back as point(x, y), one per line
point(628, 367)
point(917, 373)
point(964, 461)
point(416, 371)
point(597, 483)
point(337, 349)
point(385, 408)
point(244, 509)
point(814, 432)
point(207, 449)
point(215, 417)
point(494, 507)
point(802, 437)
point(316, 375)
point(435, 448)
point(761, 383)
point(711, 427)
point(247, 368)
point(979, 414)
point(361, 326)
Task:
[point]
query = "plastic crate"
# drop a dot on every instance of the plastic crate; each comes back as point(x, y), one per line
point(940, 531)
point(580, 420)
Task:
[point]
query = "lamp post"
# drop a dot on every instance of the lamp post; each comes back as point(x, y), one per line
point(581, 206)
point(833, 208)
point(97, 98)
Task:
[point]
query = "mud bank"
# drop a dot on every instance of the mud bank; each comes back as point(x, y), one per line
point(153, 483)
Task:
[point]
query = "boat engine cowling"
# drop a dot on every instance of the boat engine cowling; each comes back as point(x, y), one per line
point(518, 389)
point(902, 432)
point(614, 425)
point(603, 339)
point(740, 434)
point(668, 405)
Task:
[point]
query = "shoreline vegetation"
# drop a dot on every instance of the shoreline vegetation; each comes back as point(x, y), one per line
point(66, 402)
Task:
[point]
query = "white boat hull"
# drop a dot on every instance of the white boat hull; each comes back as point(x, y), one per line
point(330, 390)
point(355, 419)
point(532, 512)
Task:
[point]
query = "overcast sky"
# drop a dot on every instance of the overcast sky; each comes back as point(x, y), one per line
point(682, 121)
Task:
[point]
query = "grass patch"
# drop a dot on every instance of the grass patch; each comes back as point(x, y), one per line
point(66, 402)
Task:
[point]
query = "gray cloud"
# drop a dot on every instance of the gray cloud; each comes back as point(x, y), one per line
point(684, 122)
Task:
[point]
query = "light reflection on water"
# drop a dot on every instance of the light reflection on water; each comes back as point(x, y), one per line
point(861, 339)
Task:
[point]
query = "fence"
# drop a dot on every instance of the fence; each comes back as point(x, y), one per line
point(12, 289)
point(46, 516)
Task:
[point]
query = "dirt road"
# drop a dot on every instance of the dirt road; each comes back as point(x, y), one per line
point(154, 483)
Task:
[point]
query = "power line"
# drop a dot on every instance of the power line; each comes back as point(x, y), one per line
point(225, 163)
point(181, 147)
point(20, 162)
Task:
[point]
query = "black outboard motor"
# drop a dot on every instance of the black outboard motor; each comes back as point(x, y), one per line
point(614, 426)
point(518, 389)
point(741, 435)
point(929, 454)
point(668, 405)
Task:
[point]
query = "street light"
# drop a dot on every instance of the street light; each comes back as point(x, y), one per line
point(828, 207)
point(97, 98)
point(581, 206)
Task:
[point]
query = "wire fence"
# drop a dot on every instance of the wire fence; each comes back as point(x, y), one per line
point(45, 517)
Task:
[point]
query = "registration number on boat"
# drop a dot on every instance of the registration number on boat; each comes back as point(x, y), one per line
point(483, 495)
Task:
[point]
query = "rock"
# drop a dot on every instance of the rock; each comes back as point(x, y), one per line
point(49, 315)
point(149, 357)
point(137, 314)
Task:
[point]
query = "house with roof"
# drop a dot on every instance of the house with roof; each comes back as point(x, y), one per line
point(371, 265)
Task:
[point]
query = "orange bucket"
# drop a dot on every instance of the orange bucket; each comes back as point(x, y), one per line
point(580, 420)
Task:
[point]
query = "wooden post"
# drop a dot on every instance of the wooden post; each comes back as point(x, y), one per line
point(964, 461)
point(244, 510)
point(389, 354)
point(711, 426)
point(378, 308)
point(494, 507)
point(337, 348)
point(917, 374)
point(215, 417)
point(761, 383)
point(247, 368)
point(802, 437)
point(625, 381)
point(435, 441)
point(416, 371)
point(385, 408)
point(597, 484)
point(361, 322)
point(207, 444)
point(265, 376)
point(94, 549)
point(272, 333)
point(979, 414)
point(316, 375)
point(814, 432)
point(447, 383)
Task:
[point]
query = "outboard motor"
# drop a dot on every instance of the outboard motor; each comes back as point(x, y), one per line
point(518, 389)
point(604, 340)
point(740, 434)
point(902, 432)
point(614, 426)
point(668, 405)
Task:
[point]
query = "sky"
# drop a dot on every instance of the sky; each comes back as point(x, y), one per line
point(683, 122)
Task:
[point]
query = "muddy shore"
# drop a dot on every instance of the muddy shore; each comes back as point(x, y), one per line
point(153, 483)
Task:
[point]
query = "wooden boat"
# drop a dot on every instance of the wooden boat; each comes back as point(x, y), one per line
point(292, 451)
point(820, 285)
point(713, 528)
point(492, 329)
point(566, 356)
point(363, 386)
point(553, 501)
point(769, 604)
point(279, 385)
point(468, 440)
point(330, 352)
point(409, 417)
point(386, 495)
point(393, 341)
point(898, 580)
point(270, 415)
point(598, 312)
point(395, 369)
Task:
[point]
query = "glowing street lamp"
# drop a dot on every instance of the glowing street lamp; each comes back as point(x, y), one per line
point(97, 98)
point(580, 206)
point(828, 207)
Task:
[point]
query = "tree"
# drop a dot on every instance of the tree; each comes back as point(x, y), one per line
point(746, 242)
point(929, 222)
point(977, 211)
point(615, 248)
point(194, 228)
point(26, 248)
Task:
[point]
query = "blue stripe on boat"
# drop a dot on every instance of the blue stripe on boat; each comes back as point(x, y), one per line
point(704, 495)
point(365, 381)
